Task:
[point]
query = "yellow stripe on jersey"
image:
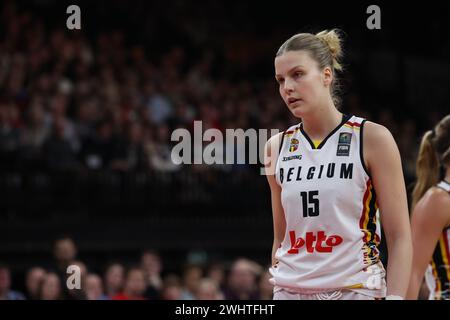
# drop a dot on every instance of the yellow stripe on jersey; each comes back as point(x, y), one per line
point(351, 127)
point(355, 286)
point(368, 216)
point(367, 211)
point(316, 143)
point(438, 288)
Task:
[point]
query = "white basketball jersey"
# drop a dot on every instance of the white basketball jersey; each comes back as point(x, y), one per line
point(330, 206)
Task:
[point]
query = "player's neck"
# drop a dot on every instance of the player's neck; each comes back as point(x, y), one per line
point(320, 124)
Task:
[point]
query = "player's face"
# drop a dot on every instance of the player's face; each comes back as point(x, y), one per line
point(302, 84)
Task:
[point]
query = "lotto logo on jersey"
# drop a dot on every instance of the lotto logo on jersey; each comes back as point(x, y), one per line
point(314, 243)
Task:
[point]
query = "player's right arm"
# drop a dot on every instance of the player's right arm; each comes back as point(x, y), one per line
point(271, 151)
point(429, 218)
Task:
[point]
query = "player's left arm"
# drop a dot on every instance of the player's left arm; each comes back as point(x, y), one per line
point(384, 164)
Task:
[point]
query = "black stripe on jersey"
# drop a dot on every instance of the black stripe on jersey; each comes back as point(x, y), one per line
point(306, 136)
point(281, 143)
point(361, 144)
point(441, 267)
point(446, 182)
point(345, 118)
point(371, 224)
point(443, 189)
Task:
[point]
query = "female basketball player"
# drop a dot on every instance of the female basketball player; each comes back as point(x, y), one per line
point(430, 221)
point(331, 173)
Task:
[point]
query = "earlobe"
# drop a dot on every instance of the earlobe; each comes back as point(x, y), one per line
point(327, 77)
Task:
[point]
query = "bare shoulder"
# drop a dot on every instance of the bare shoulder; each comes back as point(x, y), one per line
point(271, 153)
point(273, 143)
point(380, 148)
point(435, 203)
point(375, 134)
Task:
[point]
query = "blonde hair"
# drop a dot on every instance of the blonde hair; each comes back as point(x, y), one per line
point(434, 152)
point(325, 48)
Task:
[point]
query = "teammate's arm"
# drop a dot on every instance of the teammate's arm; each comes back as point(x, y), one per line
point(279, 221)
point(384, 165)
point(429, 218)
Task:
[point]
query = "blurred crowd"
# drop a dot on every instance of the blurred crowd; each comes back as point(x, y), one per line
point(69, 103)
point(243, 279)
point(82, 102)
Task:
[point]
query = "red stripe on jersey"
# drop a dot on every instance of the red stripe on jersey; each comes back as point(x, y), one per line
point(363, 213)
point(353, 124)
point(447, 251)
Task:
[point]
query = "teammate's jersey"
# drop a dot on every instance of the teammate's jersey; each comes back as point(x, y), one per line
point(438, 273)
point(330, 206)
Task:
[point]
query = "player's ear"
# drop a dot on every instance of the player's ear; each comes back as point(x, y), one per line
point(327, 76)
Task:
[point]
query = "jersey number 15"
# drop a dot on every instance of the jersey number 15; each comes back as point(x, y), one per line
point(310, 203)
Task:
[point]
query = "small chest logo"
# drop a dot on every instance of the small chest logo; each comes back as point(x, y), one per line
point(343, 147)
point(294, 145)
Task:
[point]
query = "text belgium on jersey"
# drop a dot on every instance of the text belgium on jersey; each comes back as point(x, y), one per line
point(316, 172)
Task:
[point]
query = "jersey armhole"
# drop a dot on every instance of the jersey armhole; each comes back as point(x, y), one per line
point(281, 144)
point(278, 158)
point(361, 149)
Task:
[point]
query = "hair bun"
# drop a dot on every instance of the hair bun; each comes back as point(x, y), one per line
point(333, 40)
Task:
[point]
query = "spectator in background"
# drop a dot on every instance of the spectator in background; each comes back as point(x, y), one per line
point(134, 286)
point(114, 279)
point(59, 155)
point(182, 118)
point(171, 289)
point(9, 135)
point(208, 289)
point(5, 286)
point(129, 153)
point(159, 150)
point(33, 279)
point(50, 287)
point(34, 134)
point(216, 272)
point(58, 109)
point(242, 280)
point(87, 113)
point(191, 278)
point(65, 252)
point(159, 107)
point(93, 287)
point(265, 287)
point(98, 148)
point(152, 267)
